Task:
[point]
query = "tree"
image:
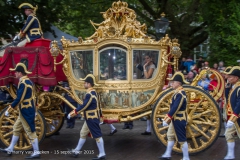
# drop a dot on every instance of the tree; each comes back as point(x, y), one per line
point(186, 24)
point(224, 28)
point(13, 18)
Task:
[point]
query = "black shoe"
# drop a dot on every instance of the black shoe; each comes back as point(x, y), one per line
point(97, 158)
point(125, 127)
point(71, 126)
point(73, 154)
point(165, 158)
point(112, 133)
point(146, 133)
point(36, 156)
point(57, 133)
point(5, 151)
point(130, 127)
point(68, 126)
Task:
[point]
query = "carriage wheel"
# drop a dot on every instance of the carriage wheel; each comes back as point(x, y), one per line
point(6, 127)
point(204, 121)
point(54, 117)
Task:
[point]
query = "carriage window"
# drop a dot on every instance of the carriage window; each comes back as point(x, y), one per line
point(113, 64)
point(82, 63)
point(144, 64)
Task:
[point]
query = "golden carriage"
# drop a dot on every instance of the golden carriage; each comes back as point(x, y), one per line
point(111, 54)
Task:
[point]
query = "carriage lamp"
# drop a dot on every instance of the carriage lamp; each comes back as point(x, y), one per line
point(161, 26)
point(54, 52)
point(176, 53)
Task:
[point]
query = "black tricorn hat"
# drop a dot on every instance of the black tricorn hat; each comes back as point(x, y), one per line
point(90, 79)
point(20, 67)
point(26, 6)
point(227, 70)
point(178, 76)
point(235, 71)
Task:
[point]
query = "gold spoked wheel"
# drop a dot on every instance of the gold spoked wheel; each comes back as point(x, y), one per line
point(54, 117)
point(204, 121)
point(6, 127)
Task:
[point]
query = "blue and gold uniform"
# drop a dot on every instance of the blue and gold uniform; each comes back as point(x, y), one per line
point(176, 118)
point(177, 115)
point(27, 111)
point(32, 29)
point(91, 112)
point(232, 95)
point(26, 105)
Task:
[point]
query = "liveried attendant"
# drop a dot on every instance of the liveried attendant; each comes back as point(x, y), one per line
point(27, 111)
point(32, 28)
point(232, 96)
point(177, 118)
point(91, 112)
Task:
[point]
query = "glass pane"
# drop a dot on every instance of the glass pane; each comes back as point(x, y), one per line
point(82, 63)
point(113, 64)
point(145, 64)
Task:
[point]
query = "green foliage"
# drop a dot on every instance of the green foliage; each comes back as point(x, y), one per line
point(224, 29)
point(192, 21)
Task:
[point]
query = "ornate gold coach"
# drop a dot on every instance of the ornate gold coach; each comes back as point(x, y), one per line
point(112, 54)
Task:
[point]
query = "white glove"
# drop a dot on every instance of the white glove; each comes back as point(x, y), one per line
point(7, 114)
point(69, 117)
point(16, 37)
point(164, 124)
point(229, 124)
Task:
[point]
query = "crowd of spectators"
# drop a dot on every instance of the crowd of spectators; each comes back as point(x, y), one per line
point(190, 69)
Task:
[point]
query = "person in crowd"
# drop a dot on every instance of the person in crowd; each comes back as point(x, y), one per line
point(181, 64)
point(190, 76)
point(184, 72)
point(215, 66)
point(213, 83)
point(204, 82)
point(200, 62)
point(188, 63)
point(194, 69)
point(206, 64)
point(221, 67)
point(176, 118)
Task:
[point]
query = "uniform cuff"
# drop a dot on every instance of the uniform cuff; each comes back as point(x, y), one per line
point(21, 34)
point(10, 109)
point(233, 118)
point(167, 119)
point(75, 111)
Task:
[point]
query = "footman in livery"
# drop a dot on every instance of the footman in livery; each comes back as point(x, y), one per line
point(32, 29)
point(27, 111)
point(232, 95)
point(177, 118)
point(90, 107)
